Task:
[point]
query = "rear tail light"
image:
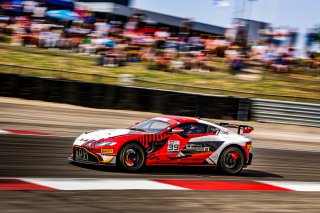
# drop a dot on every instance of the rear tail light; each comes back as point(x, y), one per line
point(249, 145)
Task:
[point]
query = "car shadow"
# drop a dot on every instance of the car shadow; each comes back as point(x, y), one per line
point(184, 170)
point(206, 171)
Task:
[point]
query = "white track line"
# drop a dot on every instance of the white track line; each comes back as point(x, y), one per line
point(101, 184)
point(4, 132)
point(144, 184)
point(295, 185)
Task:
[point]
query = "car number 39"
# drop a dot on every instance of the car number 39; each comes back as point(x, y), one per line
point(81, 154)
point(173, 146)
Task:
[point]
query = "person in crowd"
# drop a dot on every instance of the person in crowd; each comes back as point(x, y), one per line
point(310, 39)
point(161, 35)
point(293, 36)
point(196, 42)
point(28, 7)
point(234, 58)
point(185, 29)
point(101, 27)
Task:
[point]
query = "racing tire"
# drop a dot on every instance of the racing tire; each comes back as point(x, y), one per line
point(231, 160)
point(131, 158)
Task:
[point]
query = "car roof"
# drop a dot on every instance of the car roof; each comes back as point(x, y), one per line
point(175, 119)
point(172, 119)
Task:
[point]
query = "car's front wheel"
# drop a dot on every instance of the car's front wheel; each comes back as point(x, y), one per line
point(231, 160)
point(132, 157)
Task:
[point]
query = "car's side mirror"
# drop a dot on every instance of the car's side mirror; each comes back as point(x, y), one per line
point(176, 131)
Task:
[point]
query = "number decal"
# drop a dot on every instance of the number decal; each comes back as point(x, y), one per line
point(173, 146)
point(81, 154)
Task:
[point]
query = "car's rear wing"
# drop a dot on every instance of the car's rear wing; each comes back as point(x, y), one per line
point(242, 129)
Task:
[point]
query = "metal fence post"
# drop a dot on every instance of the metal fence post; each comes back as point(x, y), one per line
point(243, 109)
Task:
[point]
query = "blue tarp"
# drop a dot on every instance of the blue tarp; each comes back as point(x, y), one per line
point(62, 15)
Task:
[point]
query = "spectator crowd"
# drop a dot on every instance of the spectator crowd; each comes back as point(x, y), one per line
point(140, 39)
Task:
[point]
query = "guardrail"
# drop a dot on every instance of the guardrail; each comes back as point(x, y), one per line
point(285, 112)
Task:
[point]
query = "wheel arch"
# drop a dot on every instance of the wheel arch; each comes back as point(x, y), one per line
point(235, 145)
point(235, 168)
point(126, 143)
point(132, 141)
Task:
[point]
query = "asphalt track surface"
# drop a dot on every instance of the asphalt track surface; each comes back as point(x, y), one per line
point(45, 156)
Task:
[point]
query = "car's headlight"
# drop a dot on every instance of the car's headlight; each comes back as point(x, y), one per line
point(106, 144)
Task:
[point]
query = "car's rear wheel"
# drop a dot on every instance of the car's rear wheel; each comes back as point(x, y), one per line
point(231, 160)
point(132, 157)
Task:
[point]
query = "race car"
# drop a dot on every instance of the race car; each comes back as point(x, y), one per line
point(167, 140)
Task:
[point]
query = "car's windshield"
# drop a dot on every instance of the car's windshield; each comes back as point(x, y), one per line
point(152, 126)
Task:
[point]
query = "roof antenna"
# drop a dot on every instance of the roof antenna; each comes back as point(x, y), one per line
point(196, 115)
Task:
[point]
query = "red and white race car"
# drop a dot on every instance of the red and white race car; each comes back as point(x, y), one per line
point(167, 140)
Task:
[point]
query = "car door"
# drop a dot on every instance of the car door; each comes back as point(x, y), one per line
point(177, 142)
point(195, 151)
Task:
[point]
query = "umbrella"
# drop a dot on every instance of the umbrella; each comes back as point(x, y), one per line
point(62, 14)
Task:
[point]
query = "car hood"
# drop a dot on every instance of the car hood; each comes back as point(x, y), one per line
point(102, 134)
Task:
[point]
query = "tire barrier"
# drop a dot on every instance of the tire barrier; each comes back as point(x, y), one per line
point(123, 97)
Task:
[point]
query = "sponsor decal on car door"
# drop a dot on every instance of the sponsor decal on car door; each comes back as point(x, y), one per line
point(173, 146)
